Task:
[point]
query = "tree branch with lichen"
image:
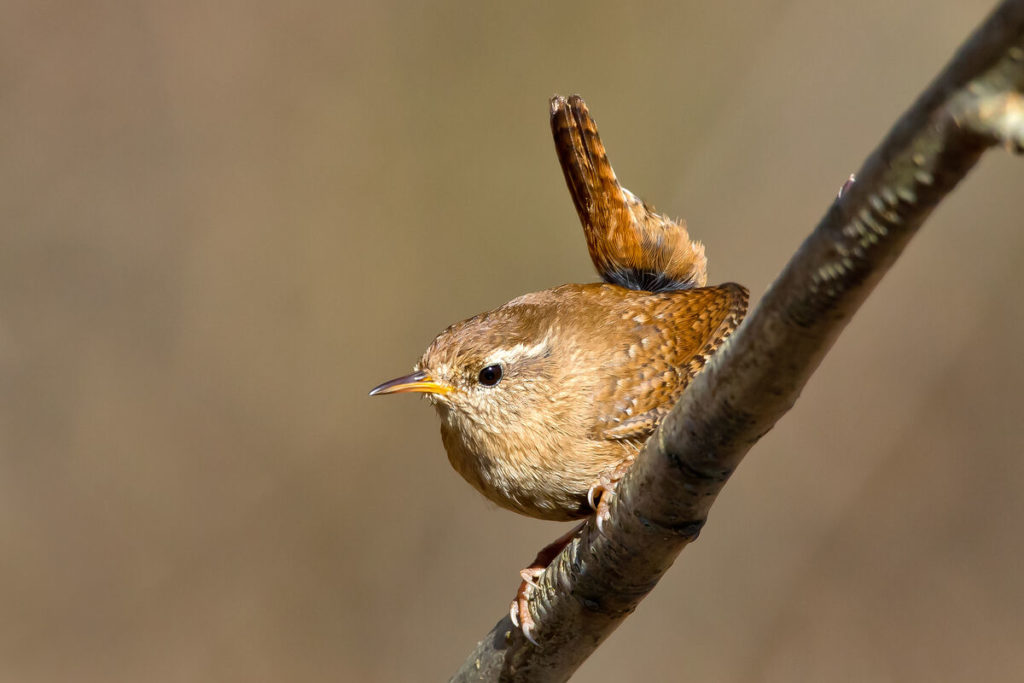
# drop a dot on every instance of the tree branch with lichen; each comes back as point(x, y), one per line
point(663, 501)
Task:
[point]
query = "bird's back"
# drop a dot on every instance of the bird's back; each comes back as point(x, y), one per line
point(652, 345)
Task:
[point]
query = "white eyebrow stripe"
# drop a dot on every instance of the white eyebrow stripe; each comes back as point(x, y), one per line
point(517, 352)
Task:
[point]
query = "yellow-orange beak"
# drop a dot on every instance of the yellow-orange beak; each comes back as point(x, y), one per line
point(417, 381)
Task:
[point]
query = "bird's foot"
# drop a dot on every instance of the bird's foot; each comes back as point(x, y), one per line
point(519, 610)
point(600, 495)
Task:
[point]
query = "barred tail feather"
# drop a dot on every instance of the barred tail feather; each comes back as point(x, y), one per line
point(629, 243)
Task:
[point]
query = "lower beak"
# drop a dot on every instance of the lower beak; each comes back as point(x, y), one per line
point(416, 382)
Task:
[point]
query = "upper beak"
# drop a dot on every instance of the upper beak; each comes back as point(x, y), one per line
point(417, 381)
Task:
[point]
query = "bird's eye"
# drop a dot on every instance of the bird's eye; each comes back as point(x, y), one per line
point(490, 375)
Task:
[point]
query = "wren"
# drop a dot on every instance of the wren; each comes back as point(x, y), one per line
point(546, 400)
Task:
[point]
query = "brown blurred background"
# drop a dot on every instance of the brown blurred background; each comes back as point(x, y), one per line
point(222, 225)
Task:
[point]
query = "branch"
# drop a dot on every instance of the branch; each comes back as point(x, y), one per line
point(663, 501)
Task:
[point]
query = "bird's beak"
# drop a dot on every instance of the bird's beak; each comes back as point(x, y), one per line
point(417, 381)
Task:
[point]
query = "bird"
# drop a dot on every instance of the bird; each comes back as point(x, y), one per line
point(546, 400)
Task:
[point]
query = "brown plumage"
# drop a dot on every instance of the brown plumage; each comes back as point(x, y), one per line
point(587, 371)
point(629, 243)
point(547, 399)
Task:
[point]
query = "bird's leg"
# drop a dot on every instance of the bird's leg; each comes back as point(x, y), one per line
point(519, 610)
point(600, 494)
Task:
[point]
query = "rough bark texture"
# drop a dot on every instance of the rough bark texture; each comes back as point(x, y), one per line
point(663, 501)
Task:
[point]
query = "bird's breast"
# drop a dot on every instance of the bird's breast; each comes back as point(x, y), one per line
point(543, 476)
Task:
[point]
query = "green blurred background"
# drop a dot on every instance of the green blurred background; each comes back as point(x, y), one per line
point(223, 223)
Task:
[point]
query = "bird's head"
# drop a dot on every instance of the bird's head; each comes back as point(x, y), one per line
point(489, 372)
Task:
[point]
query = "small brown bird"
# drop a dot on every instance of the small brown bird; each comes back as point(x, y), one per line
point(545, 401)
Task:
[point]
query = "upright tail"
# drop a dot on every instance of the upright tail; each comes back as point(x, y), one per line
point(630, 244)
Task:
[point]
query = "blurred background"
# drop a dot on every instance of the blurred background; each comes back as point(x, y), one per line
point(221, 224)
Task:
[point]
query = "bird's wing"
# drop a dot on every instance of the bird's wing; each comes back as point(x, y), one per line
point(674, 337)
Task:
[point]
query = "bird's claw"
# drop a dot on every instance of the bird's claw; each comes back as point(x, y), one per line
point(519, 610)
point(528, 634)
point(600, 494)
point(530, 576)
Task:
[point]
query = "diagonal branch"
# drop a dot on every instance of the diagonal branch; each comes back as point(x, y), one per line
point(756, 377)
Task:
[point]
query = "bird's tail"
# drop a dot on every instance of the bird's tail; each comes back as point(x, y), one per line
point(629, 243)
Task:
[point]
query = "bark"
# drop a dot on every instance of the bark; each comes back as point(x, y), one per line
point(663, 501)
